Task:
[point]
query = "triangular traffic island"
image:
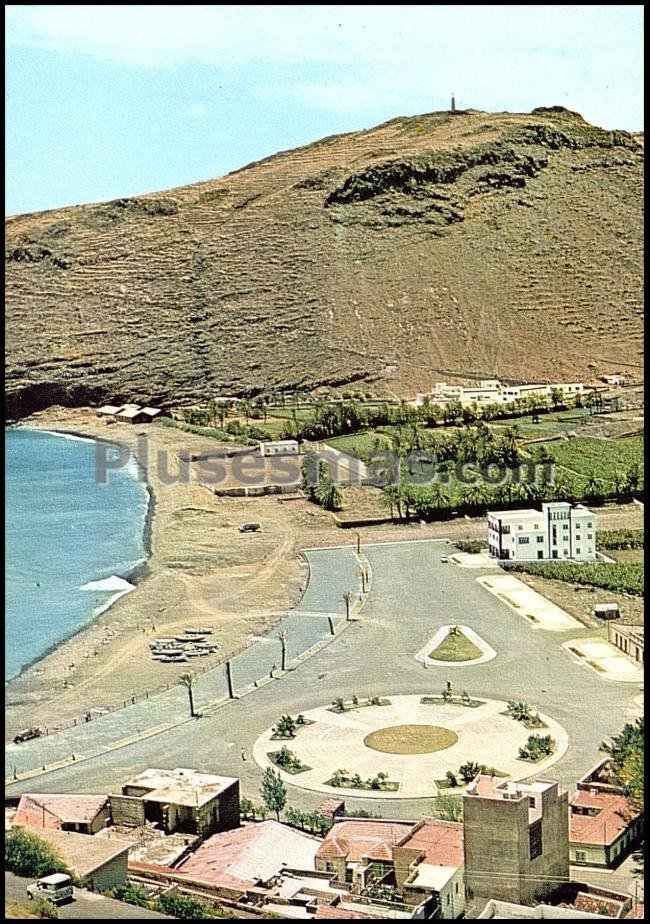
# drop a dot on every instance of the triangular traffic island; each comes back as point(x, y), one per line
point(455, 645)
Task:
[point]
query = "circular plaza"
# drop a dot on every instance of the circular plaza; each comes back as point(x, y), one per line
point(403, 747)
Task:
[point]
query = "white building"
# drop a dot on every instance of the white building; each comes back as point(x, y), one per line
point(280, 448)
point(492, 391)
point(557, 531)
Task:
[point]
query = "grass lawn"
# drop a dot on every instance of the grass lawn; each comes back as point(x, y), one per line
point(410, 739)
point(456, 648)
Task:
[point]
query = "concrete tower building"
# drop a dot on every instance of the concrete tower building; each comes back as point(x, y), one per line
point(516, 839)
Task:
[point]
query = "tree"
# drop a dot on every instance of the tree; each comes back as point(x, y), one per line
point(631, 776)
point(557, 396)
point(27, 854)
point(187, 680)
point(626, 751)
point(274, 792)
point(468, 771)
point(448, 807)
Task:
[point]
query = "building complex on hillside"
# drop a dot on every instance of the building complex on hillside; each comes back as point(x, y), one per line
point(492, 391)
point(558, 531)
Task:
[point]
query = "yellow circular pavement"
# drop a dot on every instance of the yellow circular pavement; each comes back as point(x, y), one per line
point(410, 739)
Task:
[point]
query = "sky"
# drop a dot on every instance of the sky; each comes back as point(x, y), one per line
point(112, 101)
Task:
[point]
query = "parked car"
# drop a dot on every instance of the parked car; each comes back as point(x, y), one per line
point(56, 888)
point(27, 734)
point(249, 527)
point(444, 559)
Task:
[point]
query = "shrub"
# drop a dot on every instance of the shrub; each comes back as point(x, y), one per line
point(246, 808)
point(186, 908)
point(623, 577)
point(451, 778)
point(447, 807)
point(27, 854)
point(620, 539)
point(132, 894)
point(536, 747)
point(468, 771)
point(471, 546)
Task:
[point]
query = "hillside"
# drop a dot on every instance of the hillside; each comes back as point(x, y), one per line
point(474, 243)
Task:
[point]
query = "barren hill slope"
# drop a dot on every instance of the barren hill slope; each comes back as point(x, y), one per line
point(494, 244)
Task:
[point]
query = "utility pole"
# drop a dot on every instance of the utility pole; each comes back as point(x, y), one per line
point(347, 598)
point(229, 680)
point(283, 641)
point(331, 622)
point(358, 543)
point(453, 103)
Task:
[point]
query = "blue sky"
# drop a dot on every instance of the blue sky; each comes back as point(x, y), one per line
point(112, 101)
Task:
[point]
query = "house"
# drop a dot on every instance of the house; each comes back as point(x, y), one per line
point(179, 800)
point(134, 414)
point(614, 379)
point(628, 638)
point(607, 611)
point(353, 846)
point(109, 410)
point(516, 839)
point(63, 812)
point(558, 531)
point(280, 448)
point(603, 824)
point(98, 863)
point(250, 856)
point(430, 861)
point(421, 863)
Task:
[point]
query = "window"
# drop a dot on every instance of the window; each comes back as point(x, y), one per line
point(540, 554)
point(535, 839)
point(540, 538)
point(590, 535)
point(554, 553)
point(577, 551)
point(520, 526)
point(456, 888)
point(565, 526)
point(589, 525)
point(448, 898)
point(524, 540)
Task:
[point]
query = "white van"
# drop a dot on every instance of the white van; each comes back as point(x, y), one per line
point(55, 888)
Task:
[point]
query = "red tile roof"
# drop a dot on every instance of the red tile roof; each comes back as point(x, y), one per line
point(43, 809)
point(354, 840)
point(245, 856)
point(441, 842)
point(614, 816)
point(330, 806)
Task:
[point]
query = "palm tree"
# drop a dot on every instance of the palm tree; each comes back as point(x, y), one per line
point(187, 680)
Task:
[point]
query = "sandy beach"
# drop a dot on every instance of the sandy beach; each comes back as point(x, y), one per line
point(200, 571)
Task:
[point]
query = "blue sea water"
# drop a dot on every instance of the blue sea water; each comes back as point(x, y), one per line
point(63, 531)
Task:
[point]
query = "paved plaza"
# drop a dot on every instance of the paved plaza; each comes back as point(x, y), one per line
point(336, 741)
point(540, 612)
point(598, 655)
point(413, 594)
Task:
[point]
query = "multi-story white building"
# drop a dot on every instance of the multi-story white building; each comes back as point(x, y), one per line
point(492, 391)
point(557, 531)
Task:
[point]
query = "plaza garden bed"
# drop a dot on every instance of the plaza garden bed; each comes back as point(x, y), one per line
point(287, 727)
point(341, 779)
point(451, 701)
point(522, 712)
point(456, 646)
point(340, 705)
point(466, 774)
point(286, 760)
point(537, 748)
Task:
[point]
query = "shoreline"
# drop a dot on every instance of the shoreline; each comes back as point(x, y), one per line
point(197, 570)
point(134, 575)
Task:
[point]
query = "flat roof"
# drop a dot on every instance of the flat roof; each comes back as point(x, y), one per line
point(433, 877)
point(514, 514)
point(181, 786)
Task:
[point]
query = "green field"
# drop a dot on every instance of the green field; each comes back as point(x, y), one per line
point(585, 456)
point(623, 577)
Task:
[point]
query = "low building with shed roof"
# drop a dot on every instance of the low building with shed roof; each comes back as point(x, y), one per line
point(97, 863)
point(63, 812)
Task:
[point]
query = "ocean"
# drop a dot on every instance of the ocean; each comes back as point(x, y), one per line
point(70, 542)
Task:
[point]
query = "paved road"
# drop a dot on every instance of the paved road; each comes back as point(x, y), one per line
point(331, 574)
point(87, 905)
point(412, 594)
